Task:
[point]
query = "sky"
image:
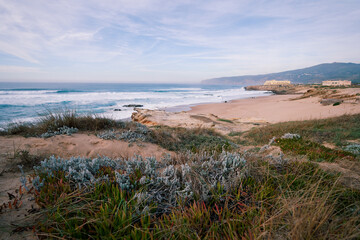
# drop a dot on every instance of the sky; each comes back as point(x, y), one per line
point(156, 41)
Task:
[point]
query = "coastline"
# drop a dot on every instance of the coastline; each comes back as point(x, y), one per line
point(205, 123)
point(244, 114)
point(281, 108)
point(189, 107)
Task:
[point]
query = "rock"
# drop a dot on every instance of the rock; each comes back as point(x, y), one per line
point(117, 109)
point(142, 116)
point(133, 105)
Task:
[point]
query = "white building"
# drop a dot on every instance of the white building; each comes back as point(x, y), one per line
point(336, 83)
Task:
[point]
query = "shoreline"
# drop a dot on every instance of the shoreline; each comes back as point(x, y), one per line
point(282, 108)
point(189, 107)
point(243, 114)
point(180, 103)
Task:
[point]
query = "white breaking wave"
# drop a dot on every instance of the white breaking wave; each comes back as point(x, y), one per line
point(26, 92)
point(111, 104)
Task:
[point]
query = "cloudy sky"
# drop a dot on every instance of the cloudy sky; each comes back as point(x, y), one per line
point(171, 41)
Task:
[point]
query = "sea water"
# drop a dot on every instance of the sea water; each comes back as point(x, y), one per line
point(24, 102)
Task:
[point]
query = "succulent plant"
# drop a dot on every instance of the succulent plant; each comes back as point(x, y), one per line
point(291, 136)
point(353, 148)
point(64, 130)
point(156, 182)
point(140, 133)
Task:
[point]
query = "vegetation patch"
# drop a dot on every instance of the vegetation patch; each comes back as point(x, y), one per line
point(202, 196)
point(195, 140)
point(353, 148)
point(64, 130)
point(314, 151)
point(225, 120)
point(333, 130)
point(27, 160)
point(235, 134)
point(54, 121)
point(132, 133)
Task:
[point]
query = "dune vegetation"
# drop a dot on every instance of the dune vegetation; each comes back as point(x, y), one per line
point(213, 187)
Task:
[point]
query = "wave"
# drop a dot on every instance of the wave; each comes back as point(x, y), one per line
point(69, 91)
point(26, 92)
point(178, 89)
point(23, 89)
point(3, 106)
point(173, 98)
point(104, 102)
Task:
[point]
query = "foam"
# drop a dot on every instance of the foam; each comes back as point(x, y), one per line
point(105, 102)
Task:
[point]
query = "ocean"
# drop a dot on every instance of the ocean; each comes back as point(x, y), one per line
point(25, 102)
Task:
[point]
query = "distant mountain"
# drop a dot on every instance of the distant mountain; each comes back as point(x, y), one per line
point(315, 74)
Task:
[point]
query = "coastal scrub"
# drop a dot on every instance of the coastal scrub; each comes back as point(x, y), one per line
point(195, 196)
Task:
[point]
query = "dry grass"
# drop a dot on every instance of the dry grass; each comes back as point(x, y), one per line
point(334, 130)
point(54, 120)
point(319, 209)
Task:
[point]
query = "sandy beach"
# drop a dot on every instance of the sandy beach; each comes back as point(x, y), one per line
point(276, 108)
point(244, 114)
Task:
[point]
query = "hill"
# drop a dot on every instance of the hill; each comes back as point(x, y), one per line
point(314, 74)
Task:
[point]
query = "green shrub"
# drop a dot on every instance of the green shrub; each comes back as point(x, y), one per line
point(195, 140)
point(225, 120)
point(312, 150)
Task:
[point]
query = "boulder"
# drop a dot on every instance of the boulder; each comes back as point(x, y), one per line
point(133, 105)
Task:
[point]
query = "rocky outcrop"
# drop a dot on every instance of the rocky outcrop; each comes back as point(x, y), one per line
point(133, 105)
point(143, 116)
point(187, 120)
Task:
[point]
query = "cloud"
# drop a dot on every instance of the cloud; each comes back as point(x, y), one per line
point(238, 36)
point(18, 69)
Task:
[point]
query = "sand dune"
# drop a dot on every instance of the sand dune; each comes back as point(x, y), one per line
point(85, 145)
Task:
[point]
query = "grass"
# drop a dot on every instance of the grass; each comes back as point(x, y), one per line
point(296, 201)
point(225, 120)
point(333, 130)
point(235, 134)
point(54, 120)
point(314, 151)
point(28, 160)
point(195, 140)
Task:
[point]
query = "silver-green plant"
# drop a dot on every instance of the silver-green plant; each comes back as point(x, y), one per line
point(160, 182)
point(139, 133)
point(353, 148)
point(290, 136)
point(64, 130)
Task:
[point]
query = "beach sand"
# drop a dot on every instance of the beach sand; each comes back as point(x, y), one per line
point(79, 144)
point(276, 108)
point(244, 114)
